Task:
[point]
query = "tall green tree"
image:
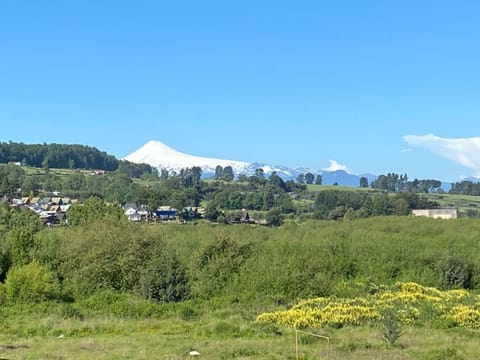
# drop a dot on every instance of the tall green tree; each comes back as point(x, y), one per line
point(228, 173)
point(363, 182)
point(309, 177)
point(218, 172)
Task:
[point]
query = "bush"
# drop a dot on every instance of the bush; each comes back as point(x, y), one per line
point(444, 354)
point(106, 257)
point(456, 272)
point(218, 263)
point(32, 283)
point(226, 329)
point(165, 279)
point(391, 328)
point(118, 304)
point(186, 311)
point(274, 217)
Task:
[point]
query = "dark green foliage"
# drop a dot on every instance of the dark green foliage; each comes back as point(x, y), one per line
point(253, 264)
point(136, 170)
point(274, 217)
point(186, 311)
point(118, 304)
point(391, 182)
point(105, 255)
point(57, 156)
point(332, 204)
point(309, 177)
point(444, 354)
point(227, 174)
point(11, 178)
point(363, 182)
point(466, 188)
point(17, 232)
point(164, 279)
point(226, 329)
point(22, 240)
point(92, 210)
point(456, 273)
point(218, 263)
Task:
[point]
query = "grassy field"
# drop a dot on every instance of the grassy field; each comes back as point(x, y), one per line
point(317, 188)
point(464, 203)
point(217, 333)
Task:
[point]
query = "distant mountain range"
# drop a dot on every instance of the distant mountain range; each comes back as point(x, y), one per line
point(161, 156)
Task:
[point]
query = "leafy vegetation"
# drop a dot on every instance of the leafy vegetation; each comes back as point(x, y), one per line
point(107, 279)
point(338, 261)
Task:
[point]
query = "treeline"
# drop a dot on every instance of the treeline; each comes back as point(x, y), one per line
point(335, 204)
point(66, 157)
point(223, 199)
point(57, 156)
point(466, 188)
point(393, 182)
point(248, 265)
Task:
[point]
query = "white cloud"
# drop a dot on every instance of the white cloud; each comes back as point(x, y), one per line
point(334, 166)
point(463, 151)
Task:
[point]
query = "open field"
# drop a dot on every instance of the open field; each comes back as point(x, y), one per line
point(464, 203)
point(217, 333)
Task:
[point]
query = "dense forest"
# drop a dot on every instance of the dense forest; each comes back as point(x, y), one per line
point(65, 157)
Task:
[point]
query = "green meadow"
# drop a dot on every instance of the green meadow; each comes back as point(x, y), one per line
point(112, 289)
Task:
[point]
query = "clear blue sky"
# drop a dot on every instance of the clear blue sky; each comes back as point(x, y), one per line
point(296, 83)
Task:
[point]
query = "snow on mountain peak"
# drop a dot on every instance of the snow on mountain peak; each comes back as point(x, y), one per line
point(161, 156)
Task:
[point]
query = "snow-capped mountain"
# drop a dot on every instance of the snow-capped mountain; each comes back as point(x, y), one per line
point(161, 156)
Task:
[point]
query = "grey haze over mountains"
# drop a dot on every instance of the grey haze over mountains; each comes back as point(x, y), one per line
point(161, 156)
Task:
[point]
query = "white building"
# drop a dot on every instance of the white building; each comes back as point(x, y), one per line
point(449, 213)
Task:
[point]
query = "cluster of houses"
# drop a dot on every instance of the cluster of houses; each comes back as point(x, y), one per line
point(162, 213)
point(51, 210)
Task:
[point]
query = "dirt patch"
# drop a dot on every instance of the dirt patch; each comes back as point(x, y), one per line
point(14, 347)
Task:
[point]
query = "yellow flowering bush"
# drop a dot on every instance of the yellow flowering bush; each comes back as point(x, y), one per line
point(410, 302)
point(466, 317)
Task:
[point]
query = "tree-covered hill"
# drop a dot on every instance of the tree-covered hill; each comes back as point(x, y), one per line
point(57, 156)
point(65, 156)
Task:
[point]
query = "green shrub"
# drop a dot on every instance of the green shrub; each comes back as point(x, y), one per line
point(186, 311)
point(31, 283)
point(105, 257)
point(444, 354)
point(456, 272)
point(391, 328)
point(70, 311)
point(223, 328)
point(165, 279)
point(274, 217)
point(118, 304)
point(218, 263)
point(3, 294)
